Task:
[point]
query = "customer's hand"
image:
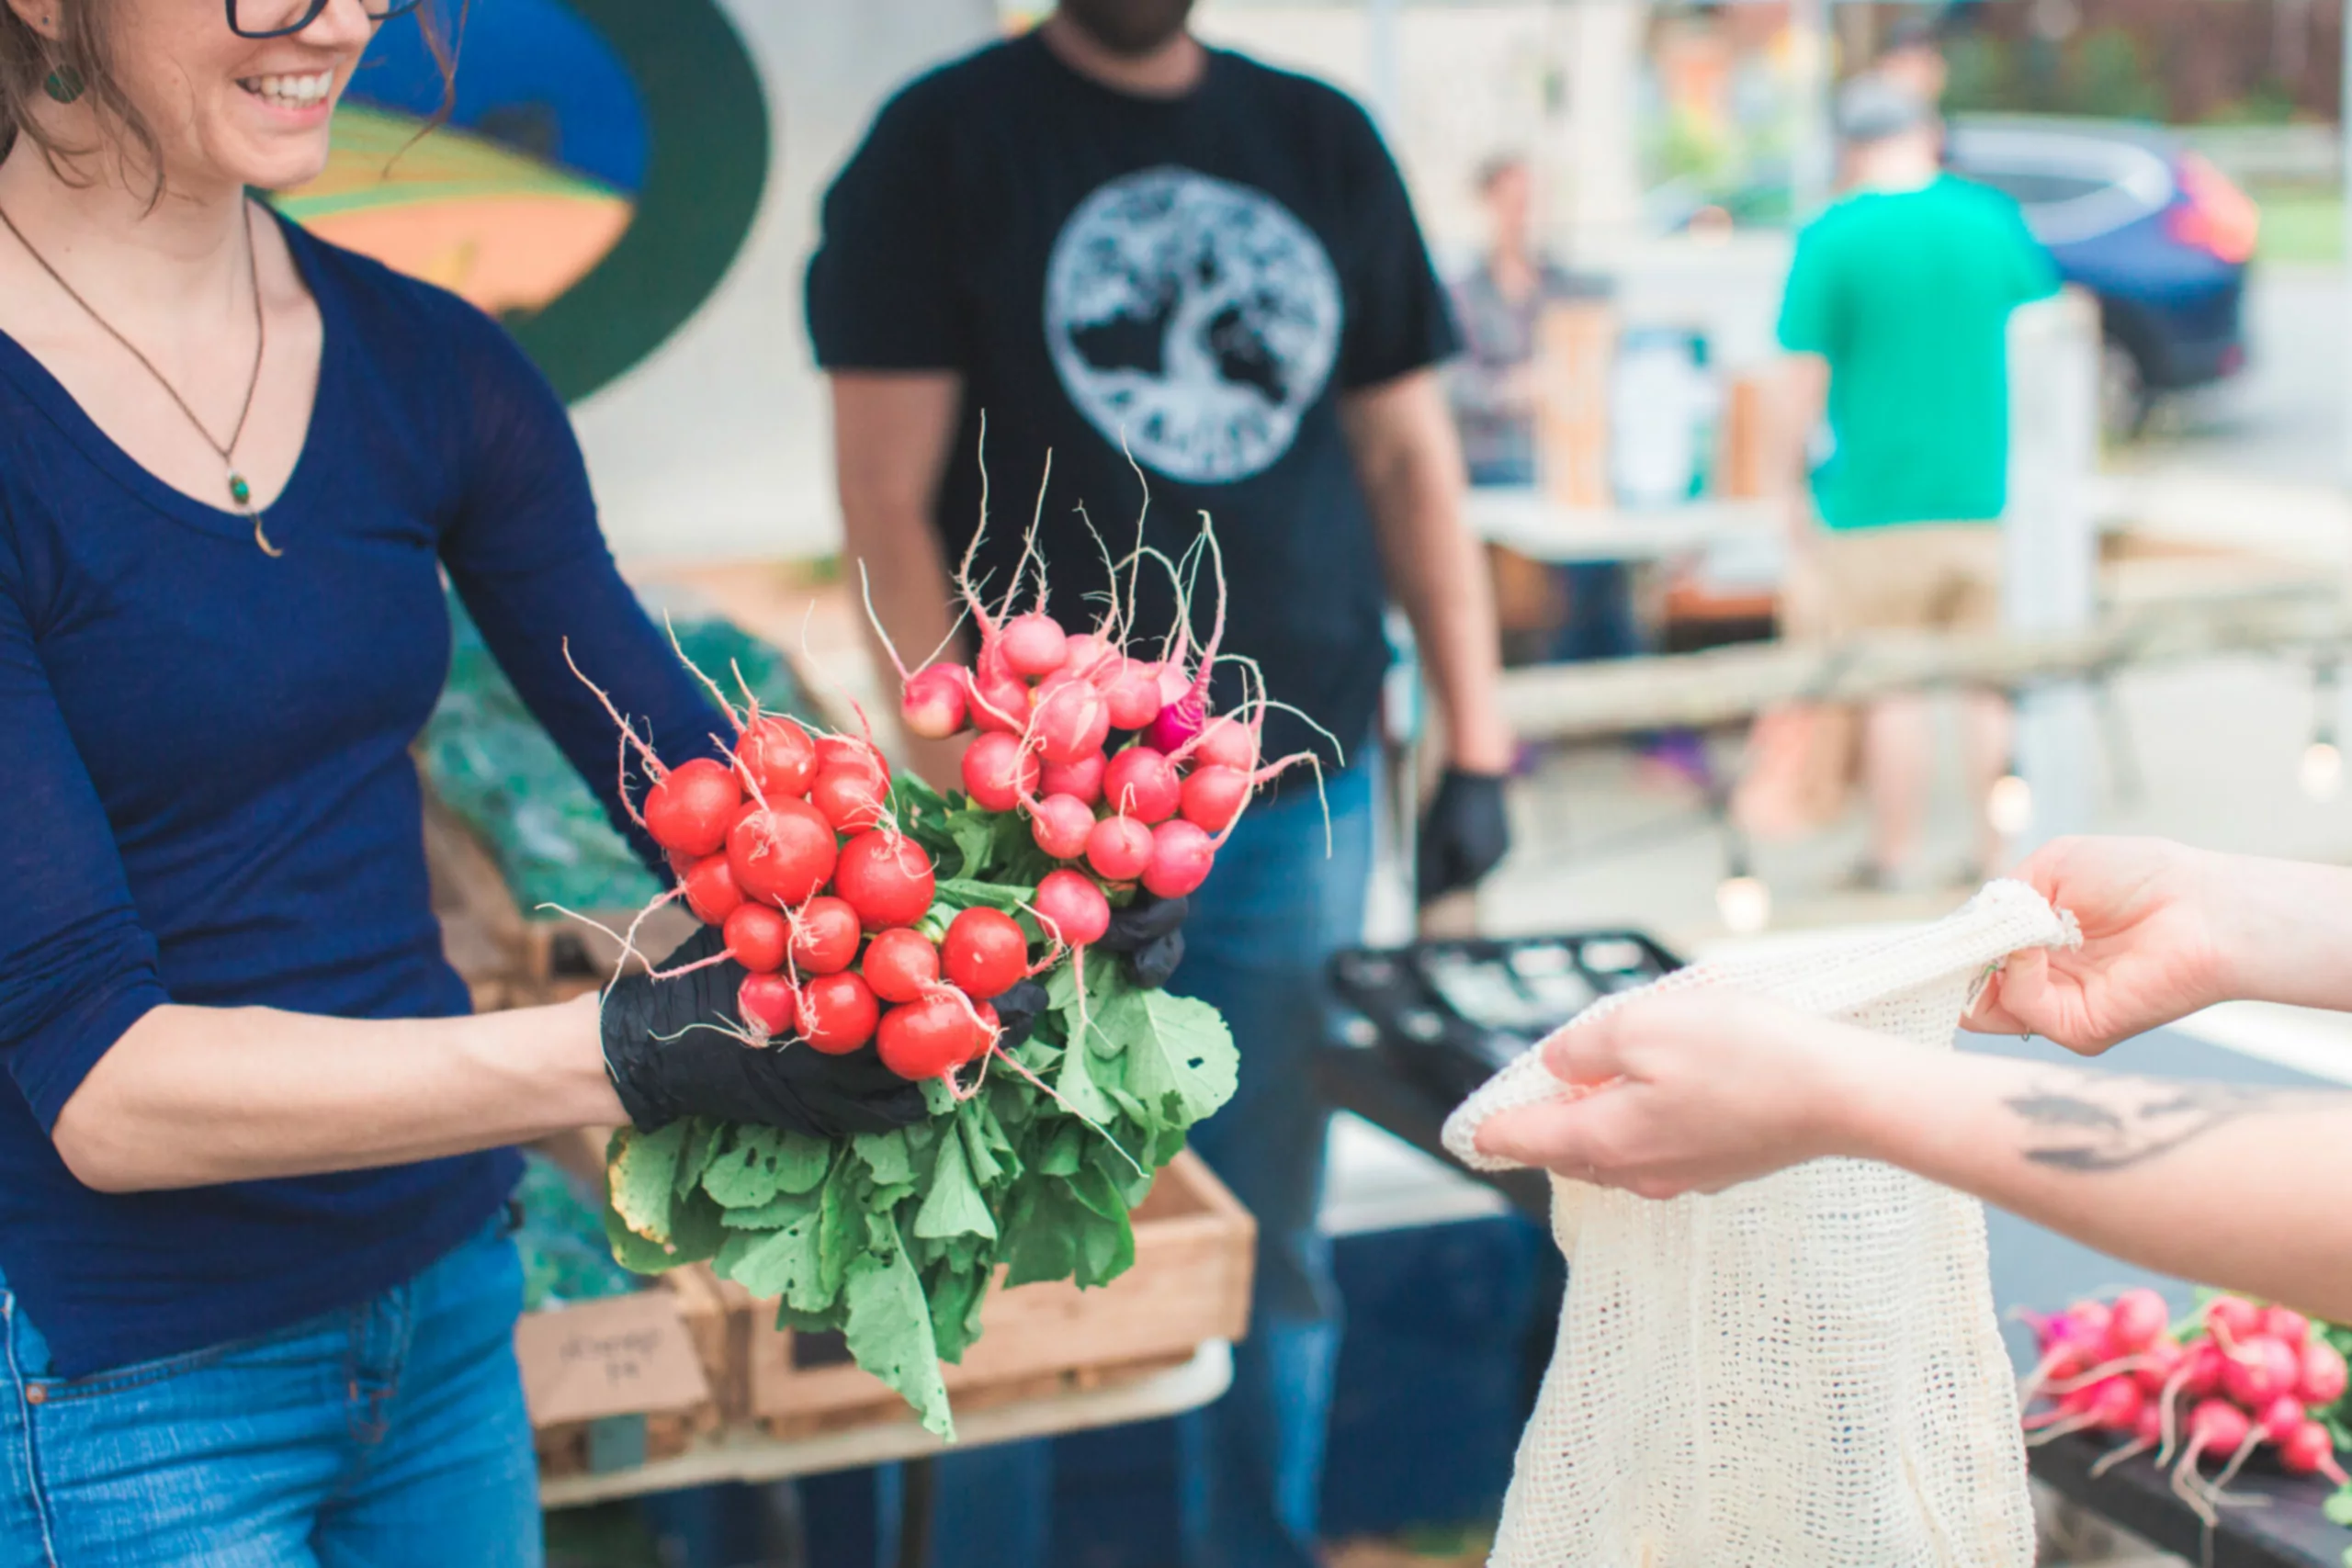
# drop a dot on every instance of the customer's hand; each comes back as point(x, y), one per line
point(1464, 834)
point(2152, 914)
point(672, 1050)
point(1688, 1092)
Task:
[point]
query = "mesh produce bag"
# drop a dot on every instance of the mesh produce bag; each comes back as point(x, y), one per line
point(1805, 1371)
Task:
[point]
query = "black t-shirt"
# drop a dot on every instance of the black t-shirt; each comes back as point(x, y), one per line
point(1201, 277)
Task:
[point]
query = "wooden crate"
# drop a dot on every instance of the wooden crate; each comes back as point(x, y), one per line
point(1189, 1285)
point(573, 1448)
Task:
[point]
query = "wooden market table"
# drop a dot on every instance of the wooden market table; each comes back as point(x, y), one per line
point(2284, 1529)
point(1526, 520)
point(748, 1457)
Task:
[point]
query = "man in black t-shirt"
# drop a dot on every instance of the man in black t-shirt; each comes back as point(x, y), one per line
point(1109, 240)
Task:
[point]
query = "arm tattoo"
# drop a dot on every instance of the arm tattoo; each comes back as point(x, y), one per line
point(2088, 1122)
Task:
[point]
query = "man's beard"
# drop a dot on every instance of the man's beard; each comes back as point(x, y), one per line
point(1129, 27)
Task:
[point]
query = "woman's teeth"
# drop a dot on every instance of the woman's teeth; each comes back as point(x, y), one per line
point(291, 92)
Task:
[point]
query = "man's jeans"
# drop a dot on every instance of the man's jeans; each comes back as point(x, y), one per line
point(1250, 1466)
point(385, 1434)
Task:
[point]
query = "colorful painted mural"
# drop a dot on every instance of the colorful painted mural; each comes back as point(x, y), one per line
point(597, 172)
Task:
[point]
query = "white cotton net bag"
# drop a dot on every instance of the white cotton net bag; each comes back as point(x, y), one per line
point(1805, 1371)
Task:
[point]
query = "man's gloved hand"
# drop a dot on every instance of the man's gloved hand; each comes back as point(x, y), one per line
point(1465, 832)
point(668, 1048)
point(1017, 1012)
point(1150, 935)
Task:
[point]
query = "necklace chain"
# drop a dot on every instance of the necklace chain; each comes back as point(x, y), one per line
point(239, 491)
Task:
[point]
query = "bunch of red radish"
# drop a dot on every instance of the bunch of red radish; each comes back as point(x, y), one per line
point(2232, 1380)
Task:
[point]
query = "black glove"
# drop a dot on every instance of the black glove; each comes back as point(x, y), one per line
point(665, 1066)
point(1465, 832)
point(1150, 935)
point(1017, 1012)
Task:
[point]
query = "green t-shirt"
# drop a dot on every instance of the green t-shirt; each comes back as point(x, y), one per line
point(1908, 295)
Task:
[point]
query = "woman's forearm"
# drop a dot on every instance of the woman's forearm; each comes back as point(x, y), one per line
point(2215, 1182)
point(194, 1095)
point(2285, 928)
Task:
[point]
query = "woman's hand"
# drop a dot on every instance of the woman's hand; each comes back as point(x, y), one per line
point(1688, 1092)
point(2153, 918)
point(673, 1049)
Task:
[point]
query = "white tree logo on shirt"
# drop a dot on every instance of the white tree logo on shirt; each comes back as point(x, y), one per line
point(1195, 318)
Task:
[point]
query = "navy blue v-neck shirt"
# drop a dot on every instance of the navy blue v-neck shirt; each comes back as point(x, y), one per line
point(209, 798)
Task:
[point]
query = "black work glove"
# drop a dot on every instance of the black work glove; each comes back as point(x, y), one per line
point(1017, 1012)
point(1148, 935)
point(666, 1067)
point(1465, 832)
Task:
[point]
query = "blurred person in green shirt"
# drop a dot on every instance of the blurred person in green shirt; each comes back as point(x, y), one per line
point(1895, 319)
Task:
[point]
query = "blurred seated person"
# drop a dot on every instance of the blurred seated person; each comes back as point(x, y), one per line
point(1493, 388)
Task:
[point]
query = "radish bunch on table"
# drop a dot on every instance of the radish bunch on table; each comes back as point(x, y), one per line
point(2228, 1381)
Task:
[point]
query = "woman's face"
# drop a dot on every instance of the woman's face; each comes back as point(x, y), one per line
point(229, 109)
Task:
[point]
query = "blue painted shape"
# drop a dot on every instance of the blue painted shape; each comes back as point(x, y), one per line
point(532, 74)
point(2041, 1270)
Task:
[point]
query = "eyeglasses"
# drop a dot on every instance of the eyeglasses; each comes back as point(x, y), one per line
point(278, 18)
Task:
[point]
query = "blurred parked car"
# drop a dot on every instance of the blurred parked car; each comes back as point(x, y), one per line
point(2157, 232)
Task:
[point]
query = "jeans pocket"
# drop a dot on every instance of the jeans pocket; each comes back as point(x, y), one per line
point(161, 1369)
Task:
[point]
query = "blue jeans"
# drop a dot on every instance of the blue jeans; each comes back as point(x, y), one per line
point(384, 1434)
point(1250, 1467)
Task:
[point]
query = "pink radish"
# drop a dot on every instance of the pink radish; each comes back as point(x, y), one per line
point(2287, 1326)
point(1070, 722)
point(1086, 656)
point(1141, 783)
point(1133, 695)
point(767, 1003)
point(1072, 909)
point(2309, 1449)
point(2159, 1360)
point(2279, 1418)
point(997, 771)
point(2323, 1380)
point(2215, 1426)
point(1061, 823)
point(2261, 1369)
point(1081, 780)
point(1180, 857)
point(2115, 1405)
point(1173, 728)
point(1118, 848)
point(1213, 797)
point(690, 810)
point(2231, 1319)
point(932, 703)
point(1228, 742)
point(1033, 645)
point(2136, 1321)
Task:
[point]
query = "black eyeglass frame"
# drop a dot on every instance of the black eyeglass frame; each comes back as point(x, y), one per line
point(309, 14)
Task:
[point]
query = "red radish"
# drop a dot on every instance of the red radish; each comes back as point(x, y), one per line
point(2115, 1405)
point(1214, 795)
point(2087, 1322)
point(924, 1039)
point(997, 771)
point(886, 878)
point(767, 1003)
point(1083, 779)
point(2137, 1320)
point(1229, 743)
point(850, 799)
point(2309, 1448)
point(1070, 722)
point(1134, 697)
point(2160, 1360)
point(1033, 645)
point(1181, 858)
point(1175, 725)
point(1072, 907)
point(688, 811)
point(824, 936)
point(2151, 1429)
point(2323, 1380)
point(711, 892)
point(2279, 1418)
point(2232, 1318)
point(985, 954)
point(2287, 1326)
point(2215, 1426)
point(781, 854)
point(900, 965)
point(848, 751)
point(1000, 700)
point(1141, 783)
point(778, 756)
point(1085, 655)
point(2206, 1365)
point(1118, 849)
point(1060, 824)
point(837, 1013)
point(756, 936)
point(2261, 1370)
point(932, 706)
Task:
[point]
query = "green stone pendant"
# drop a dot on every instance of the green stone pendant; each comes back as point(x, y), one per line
point(239, 489)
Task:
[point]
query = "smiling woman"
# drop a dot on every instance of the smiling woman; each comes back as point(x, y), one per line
point(255, 1301)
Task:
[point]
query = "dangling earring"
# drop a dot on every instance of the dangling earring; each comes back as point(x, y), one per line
point(63, 85)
